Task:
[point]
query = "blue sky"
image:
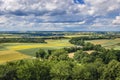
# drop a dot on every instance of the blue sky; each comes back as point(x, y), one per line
point(60, 15)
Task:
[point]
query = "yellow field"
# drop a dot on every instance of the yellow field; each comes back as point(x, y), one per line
point(50, 43)
point(70, 36)
point(99, 41)
point(9, 55)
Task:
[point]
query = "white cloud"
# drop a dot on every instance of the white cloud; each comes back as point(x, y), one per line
point(3, 19)
point(103, 7)
point(82, 22)
point(116, 21)
point(98, 7)
point(23, 14)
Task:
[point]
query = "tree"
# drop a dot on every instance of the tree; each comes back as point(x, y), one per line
point(99, 65)
point(112, 71)
point(35, 70)
point(88, 46)
point(59, 54)
point(41, 54)
point(78, 72)
point(61, 71)
point(117, 53)
point(110, 56)
point(84, 72)
point(79, 55)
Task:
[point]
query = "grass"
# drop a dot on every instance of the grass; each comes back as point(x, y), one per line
point(2, 48)
point(30, 51)
point(117, 47)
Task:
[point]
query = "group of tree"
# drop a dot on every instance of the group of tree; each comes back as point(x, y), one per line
point(59, 54)
point(36, 69)
point(22, 40)
point(80, 40)
point(106, 56)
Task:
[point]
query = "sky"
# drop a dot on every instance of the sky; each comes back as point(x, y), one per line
point(59, 15)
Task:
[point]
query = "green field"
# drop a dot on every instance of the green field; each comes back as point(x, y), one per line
point(76, 35)
point(112, 43)
point(25, 50)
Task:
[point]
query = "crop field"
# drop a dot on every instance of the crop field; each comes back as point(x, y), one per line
point(113, 43)
point(9, 55)
point(49, 44)
point(79, 35)
point(16, 51)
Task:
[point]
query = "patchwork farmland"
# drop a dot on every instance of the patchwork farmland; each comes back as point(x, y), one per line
point(17, 51)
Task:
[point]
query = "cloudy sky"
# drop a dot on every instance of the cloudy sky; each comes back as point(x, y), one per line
point(60, 15)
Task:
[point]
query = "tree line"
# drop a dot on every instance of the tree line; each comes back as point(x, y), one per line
point(22, 40)
point(80, 40)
